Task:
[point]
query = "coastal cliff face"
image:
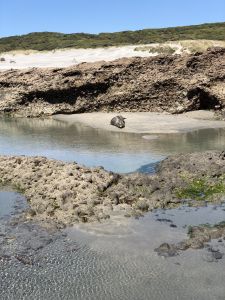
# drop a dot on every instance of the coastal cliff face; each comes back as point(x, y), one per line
point(164, 83)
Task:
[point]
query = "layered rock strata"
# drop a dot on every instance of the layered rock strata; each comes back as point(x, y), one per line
point(164, 83)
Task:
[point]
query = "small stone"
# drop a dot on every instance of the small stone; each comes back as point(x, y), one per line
point(217, 255)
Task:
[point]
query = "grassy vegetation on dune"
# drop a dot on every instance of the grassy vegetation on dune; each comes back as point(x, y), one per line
point(179, 47)
point(50, 40)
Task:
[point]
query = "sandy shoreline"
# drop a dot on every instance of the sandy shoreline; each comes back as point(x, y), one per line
point(147, 122)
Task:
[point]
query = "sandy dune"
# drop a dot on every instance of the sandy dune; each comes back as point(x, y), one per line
point(65, 58)
point(68, 57)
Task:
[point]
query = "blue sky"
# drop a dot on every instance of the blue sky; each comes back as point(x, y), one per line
point(93, 16)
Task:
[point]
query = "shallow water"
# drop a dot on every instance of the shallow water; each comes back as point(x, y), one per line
point(114, 260)
point(10, 202)
point(115, 151)
point(117, 261)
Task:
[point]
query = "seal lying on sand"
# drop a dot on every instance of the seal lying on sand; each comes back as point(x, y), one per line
point(118, 121)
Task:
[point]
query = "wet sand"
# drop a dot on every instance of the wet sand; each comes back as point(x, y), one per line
point(147, 122)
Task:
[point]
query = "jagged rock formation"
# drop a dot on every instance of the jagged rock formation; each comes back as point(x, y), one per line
point(164, 83)
point(67, 193)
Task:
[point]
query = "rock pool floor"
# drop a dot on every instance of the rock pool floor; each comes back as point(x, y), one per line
point(114, 260)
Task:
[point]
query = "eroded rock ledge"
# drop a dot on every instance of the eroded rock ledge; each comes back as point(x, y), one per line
point(67, 193)
point(165, 83)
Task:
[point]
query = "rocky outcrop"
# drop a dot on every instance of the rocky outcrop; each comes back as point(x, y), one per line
point(198, 237)
point(67, 192)
point(164, 83)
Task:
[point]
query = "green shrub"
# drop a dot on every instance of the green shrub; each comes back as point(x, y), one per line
point(50, 40)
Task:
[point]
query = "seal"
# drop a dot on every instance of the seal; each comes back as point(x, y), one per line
point(118, 121)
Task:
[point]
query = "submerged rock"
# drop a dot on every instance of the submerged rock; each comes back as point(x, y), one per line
point(167, 250)
point(216, 254)
point(198, 237)
point(213, 255)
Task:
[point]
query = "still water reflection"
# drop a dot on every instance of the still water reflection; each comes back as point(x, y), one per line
point(117, 260)
point(116, 151)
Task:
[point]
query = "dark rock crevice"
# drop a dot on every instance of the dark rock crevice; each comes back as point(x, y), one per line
point(68, 95)
point(202, 99)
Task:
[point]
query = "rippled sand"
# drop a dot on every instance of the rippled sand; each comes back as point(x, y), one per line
point(117, 261)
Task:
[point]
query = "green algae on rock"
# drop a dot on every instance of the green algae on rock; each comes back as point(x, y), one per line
point(202, 188)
